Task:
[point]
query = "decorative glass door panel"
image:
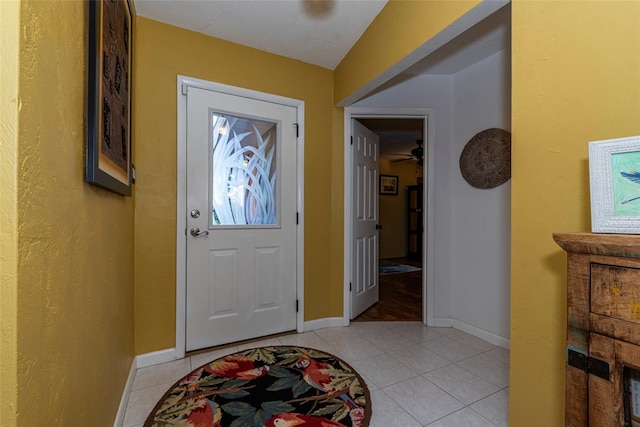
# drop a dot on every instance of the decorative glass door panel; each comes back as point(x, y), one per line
point(244, 171)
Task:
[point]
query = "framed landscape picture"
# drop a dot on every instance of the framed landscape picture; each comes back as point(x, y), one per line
point(389, 184)
point(614, 174)
point(108, 162)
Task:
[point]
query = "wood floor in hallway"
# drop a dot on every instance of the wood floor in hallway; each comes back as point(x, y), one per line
point(400, 296)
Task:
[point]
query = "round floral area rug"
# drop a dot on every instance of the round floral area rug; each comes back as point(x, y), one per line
point(280, 386)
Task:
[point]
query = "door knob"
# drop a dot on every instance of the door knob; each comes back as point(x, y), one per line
point(195, 232)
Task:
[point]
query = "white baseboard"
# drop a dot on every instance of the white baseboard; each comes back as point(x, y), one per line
point(327, 322)
point(155, 357)
point(140, 361)
point(124, 400)
point(481, 333)
point(442, 322)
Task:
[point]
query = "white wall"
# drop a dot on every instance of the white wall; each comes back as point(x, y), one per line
point(472, 226)
point(482, 217)
point(435, 92)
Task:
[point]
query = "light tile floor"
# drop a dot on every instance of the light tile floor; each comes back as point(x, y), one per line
point(417, 375)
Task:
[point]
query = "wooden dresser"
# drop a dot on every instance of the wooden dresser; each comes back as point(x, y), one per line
point(603, 329)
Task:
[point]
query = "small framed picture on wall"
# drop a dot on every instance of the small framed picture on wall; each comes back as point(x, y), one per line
point(389, 185)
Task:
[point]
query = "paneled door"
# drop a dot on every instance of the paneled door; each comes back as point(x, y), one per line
point(364, 257)
point(241, 218)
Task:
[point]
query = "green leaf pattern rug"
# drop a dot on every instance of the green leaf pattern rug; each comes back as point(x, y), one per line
point(280, 386)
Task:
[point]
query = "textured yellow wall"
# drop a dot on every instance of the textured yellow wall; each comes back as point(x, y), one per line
point(9, 44)
point(401, 27)
point(75, 241)
point(576, 78)
point(163, 52)
point(393, 209)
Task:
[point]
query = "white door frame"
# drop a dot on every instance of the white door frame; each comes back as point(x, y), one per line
point(428, 257)
point(181, 202)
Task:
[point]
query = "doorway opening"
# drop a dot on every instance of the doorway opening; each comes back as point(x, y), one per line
point(400, 219)
point(404, 255)
point(400, 282)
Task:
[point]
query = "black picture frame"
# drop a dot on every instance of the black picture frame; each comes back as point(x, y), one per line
point(388, 185)
point(108, 150)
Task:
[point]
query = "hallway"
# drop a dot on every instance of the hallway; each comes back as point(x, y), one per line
point(400, 296)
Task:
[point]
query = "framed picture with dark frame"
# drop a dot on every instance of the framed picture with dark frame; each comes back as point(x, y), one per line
point(389, 185)
point(108, 161)
point(614, 177)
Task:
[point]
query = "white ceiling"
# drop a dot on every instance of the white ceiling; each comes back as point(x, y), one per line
point(318, 32)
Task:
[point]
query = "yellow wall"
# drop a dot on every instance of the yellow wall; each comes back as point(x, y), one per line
point(162, 53)
point(73, 314)
point(576, 78)
point(9, 44)
point(393, 209)
point(401, 27)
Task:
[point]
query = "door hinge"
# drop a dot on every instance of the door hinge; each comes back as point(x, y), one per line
point(588, 364)
point(297, 218)
point(296, 306)
point(297, 130)
point(349, 286)
point(351, 139)
point(184, 88)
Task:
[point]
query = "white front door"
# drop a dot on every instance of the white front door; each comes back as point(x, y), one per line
point(364, 257)
point(240, 218)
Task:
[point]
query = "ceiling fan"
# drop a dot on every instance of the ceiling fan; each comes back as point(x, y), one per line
point(416, 154)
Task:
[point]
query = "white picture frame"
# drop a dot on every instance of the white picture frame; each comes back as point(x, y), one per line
point(614, 177)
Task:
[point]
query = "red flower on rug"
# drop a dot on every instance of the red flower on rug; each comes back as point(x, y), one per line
point(280, 386)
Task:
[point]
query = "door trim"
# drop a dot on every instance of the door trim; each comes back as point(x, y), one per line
point(181, 197)
point(428, 256)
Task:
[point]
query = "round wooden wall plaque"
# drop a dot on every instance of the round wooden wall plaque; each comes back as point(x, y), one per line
point(485, 161)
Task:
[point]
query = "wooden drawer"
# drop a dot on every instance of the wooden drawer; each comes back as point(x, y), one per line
point(615, 292)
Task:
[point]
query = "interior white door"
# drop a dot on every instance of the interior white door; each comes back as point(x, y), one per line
point(241, 218)
point(364, 257)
